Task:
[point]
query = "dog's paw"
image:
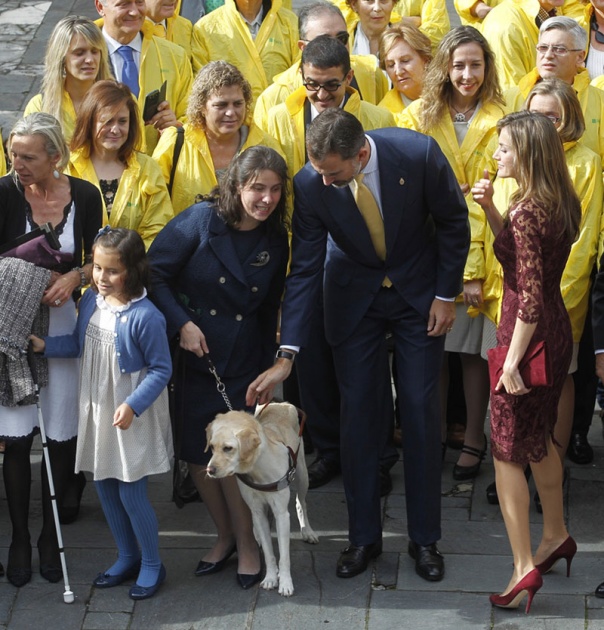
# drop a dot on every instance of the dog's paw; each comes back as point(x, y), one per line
point(309, 536)
point(270, 582)
point(286, 587)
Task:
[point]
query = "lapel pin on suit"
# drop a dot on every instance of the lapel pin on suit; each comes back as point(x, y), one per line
point(261, 259)
point(401, 181)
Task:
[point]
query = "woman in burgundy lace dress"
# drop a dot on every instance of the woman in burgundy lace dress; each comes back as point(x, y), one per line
point(532, 243)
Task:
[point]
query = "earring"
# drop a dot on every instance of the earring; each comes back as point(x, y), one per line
point(56, 174)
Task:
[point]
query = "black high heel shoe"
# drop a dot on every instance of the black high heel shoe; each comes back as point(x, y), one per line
point(207, 568)
point(463, 473)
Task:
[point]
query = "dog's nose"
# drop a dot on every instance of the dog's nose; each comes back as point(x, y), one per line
point(211, 470)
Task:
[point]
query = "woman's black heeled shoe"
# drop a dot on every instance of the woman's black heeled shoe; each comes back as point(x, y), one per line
point(463, 473)
point(18, 569)
point(207, 568)
point(246, 580)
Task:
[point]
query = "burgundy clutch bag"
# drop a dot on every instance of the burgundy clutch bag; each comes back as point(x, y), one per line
point(535, 367)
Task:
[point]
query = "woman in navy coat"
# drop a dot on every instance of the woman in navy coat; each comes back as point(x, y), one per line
point(218, 274)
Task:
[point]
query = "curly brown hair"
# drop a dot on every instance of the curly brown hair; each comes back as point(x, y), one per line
point(210, 79)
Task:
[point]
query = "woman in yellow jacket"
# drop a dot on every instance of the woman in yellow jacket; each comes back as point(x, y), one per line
point(460, 106)
point(103, 152)
point(405, 53)
point(219, 127)
point(558, 101)
point(430, 16)
point(76, 57)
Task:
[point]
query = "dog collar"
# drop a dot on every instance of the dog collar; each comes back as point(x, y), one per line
point(282, 483)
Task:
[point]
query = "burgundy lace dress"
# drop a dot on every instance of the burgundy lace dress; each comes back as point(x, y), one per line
point(533, 256)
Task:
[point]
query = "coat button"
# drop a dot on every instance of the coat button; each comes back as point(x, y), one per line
point(124, 319)
point(222, 279)
point(212, 311)
point(254, 289)
point(119, 354)
point(238, 317)
point(123, 370)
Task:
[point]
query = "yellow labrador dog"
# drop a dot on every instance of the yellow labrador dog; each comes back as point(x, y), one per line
point(263, 451)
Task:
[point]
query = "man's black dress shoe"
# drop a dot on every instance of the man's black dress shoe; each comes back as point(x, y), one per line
point(579, 449)
point(385, 481)
point(322, 471)
point(354, 560)
point(429, 563)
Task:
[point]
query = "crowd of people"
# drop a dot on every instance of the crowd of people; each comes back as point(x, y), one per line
point(359, 202)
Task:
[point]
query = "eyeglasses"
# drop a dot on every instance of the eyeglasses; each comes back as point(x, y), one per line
point(559, 51)
point(341, 36)
point(314, 86)
point(554, 119)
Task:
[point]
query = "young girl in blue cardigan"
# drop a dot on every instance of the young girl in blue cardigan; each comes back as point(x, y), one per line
point(124, 429)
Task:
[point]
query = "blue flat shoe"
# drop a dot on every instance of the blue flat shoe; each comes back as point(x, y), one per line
point(104, 580)
point(144, 592)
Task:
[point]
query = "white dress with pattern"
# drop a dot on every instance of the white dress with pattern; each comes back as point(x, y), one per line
point(145, 448)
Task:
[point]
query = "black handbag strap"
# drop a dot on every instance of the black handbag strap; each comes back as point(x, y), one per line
point(180, 138)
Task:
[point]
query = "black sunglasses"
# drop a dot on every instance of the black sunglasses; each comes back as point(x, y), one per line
point(596, 30)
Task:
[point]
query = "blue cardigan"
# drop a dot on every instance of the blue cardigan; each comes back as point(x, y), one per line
point(140, 341)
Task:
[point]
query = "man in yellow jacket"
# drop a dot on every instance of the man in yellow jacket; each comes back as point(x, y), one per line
point(512, 30)
point(561, 52)
point(260, 43)
point(167, 24)
point(326, 76)
point(130, 40)
point(323, 18)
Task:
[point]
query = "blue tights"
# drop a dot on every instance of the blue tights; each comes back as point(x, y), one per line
point(132, 521)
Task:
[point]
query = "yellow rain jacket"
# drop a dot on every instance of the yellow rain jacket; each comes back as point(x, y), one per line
point(590, 97)
point(512, 32)
point(468, 162)
point(67, 110)
point(372, 83)
point(161, 61)
point(195, 172)
point(179, 31)
point(463, 8)
point(393, 103)
point(285, 123)
point(2, 164)
point(141, 202)
point(224, 35)
point(585, 169)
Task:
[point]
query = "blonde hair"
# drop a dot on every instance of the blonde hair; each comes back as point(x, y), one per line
point(541, 170)
point(54, 60)
point(48, 127)
point(438, 90)
point(409, 34)
point(572, 125)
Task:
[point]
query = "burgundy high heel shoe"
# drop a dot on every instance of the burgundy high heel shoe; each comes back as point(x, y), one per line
point(566, 550)
point(528, 585)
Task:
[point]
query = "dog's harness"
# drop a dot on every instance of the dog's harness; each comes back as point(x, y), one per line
point(290, 475)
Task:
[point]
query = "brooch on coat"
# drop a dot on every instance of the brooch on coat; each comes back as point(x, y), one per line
point(261, 259)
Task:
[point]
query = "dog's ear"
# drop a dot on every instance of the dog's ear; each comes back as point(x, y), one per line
point(249, 441)
point(208, 437)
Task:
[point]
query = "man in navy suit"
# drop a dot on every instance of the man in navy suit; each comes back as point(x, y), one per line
point(409, 290)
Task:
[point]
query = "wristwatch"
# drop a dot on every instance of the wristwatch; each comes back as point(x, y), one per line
point(285, 354)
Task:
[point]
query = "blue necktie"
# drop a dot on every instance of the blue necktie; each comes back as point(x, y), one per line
point(129, 71)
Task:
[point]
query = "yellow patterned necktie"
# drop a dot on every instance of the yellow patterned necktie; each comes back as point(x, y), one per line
point(370, 212)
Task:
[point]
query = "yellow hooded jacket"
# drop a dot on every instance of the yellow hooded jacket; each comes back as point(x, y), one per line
point(195, 174)
point(141, 202)
point(67, 110)
point(468, 162)
point(285, 122)
point(224, 35)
